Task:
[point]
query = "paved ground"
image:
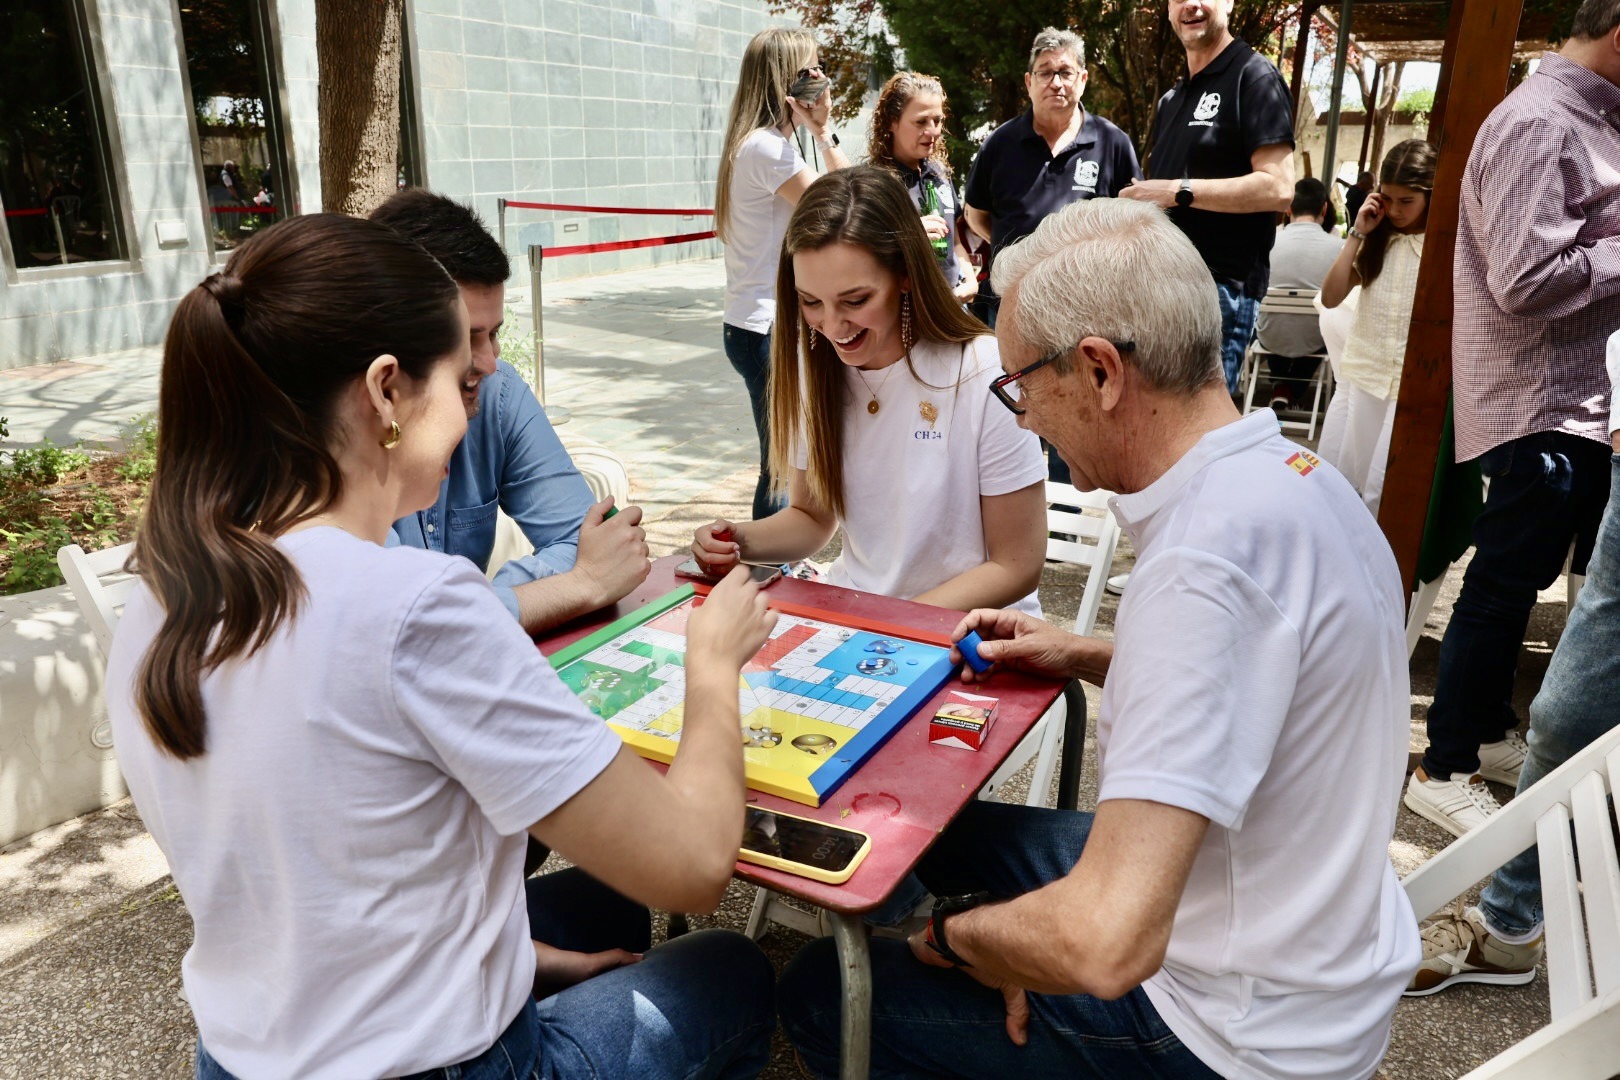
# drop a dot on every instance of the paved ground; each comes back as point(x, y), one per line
point(91, 928)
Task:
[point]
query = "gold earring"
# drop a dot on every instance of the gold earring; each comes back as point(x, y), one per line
point(905, 321)
point(390, 440)
point(812, 347)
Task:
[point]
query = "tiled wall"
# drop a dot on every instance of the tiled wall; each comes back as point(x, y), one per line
point(601, 102)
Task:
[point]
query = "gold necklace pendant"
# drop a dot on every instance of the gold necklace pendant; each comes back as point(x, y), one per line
point(930, 413)
point(872, 406)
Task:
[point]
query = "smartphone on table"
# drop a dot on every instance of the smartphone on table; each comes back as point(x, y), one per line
point(802, 846)
point(759, 573)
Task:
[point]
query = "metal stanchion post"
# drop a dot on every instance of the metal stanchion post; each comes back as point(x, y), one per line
point(554, 413)
point(500, 217)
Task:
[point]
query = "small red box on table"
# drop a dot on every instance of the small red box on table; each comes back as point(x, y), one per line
point(962, 721)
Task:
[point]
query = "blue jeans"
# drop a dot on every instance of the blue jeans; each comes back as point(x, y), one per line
point(698, 1006)
point(929, 1021)
point(1238, 313)
point(750, 356)
point(1547, 491)
point(1576, 705)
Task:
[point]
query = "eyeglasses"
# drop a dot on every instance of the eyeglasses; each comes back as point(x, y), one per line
point(1005, 388)
point(1062, 75)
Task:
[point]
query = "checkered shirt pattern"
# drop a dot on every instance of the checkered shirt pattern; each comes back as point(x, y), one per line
point(1537, 275)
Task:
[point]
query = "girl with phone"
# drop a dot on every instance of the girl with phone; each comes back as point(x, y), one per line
point(1381, 255)
point(908, 136)
point(882, 422)
point(340, 746)
point(762, 176)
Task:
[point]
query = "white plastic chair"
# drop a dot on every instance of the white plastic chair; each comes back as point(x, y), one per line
point(100, 585)
point(1580, 889)
point(1081, 531)
point(1290, 302)
point(1427, 592)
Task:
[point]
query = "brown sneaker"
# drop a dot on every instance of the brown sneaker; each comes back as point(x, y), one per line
point(1459, 947)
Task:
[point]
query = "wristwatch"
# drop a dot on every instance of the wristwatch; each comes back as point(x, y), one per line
point(1357, 233)
point(831, 139)
point(934, 933)
point(1184, 195)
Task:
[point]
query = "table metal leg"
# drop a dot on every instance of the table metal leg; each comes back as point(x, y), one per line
point(1074, 746)
point(855, 967)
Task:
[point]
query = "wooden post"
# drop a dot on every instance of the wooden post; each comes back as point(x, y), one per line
point(1478, 54)
point(1296, 81)
point(1330, 153)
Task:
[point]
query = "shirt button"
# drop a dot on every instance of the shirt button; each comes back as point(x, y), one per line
point(430, 528)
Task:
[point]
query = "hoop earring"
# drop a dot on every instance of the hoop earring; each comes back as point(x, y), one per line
point(390, 440)
point(905, 321)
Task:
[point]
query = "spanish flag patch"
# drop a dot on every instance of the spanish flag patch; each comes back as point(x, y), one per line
point(1302, 463)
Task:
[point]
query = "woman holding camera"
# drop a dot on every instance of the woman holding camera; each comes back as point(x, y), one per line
point(882, 419)
point(780, 88)
point(340, 746)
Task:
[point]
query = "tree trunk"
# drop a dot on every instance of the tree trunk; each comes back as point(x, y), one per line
point(358, 43)
point(1386, 108)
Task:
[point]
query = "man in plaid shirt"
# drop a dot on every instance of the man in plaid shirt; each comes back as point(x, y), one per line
point(1537, 284)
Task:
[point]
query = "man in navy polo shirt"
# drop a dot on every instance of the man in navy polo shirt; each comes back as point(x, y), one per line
point(1053, 155)
point(1222, 162)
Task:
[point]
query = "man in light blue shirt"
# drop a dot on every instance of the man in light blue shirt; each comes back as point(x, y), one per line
point(511, 458)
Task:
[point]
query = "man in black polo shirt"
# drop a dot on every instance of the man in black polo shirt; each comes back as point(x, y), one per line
point(1223, 164)
point(1053, 155)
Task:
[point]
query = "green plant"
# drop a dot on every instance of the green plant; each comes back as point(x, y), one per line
point(140, 454)
point(42, 465)
point(519, 349)
point(33, 555)
point(5, 432)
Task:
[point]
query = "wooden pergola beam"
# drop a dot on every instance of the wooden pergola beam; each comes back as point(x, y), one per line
point(1473, 80)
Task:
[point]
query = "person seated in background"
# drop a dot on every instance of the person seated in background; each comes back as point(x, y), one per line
point(339, 746)
point(882, 423)
point(511, 458)
point(1300, 259)
point(1221, 913)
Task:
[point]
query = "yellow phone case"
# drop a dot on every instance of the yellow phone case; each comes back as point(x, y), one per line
point(803, 869)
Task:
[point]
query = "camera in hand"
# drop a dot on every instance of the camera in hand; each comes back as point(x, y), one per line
point(808, 88)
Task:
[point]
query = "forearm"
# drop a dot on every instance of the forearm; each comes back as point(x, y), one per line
point(990, 584)
point(706, 775)
point(978, 220)
point(790, 533)
point(552, 601)
point(1536, 285)
point(1250, 194)
point(1341, 276)
point(1042, 945)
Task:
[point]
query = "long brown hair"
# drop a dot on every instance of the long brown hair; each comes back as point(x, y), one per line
point(1409, 164)
point(868, 207)
point(891, 105)
point(255, 359)
point(769, 65)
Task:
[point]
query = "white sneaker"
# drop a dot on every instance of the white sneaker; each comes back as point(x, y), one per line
point(1115, 586)
point(1461, 803)
point(1501, 761)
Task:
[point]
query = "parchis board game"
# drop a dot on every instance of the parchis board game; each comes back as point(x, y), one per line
point(817, 700)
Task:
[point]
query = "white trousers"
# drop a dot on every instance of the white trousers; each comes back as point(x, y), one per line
point(1355, 439)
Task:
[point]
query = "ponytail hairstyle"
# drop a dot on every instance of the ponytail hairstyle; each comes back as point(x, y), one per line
point(1409, 164)
point(891, 105)
point(254, 363)
point(865, 206)
point(770, 65)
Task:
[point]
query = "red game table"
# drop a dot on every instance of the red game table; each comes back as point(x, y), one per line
point(903, 796)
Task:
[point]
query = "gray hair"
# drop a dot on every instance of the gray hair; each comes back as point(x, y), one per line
point(1595, 19)
point(1054, 40)
point(1119, 270)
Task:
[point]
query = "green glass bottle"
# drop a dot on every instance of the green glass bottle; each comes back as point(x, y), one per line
point(929, 204)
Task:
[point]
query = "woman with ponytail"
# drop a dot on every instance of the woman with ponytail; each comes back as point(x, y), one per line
point(340, 746)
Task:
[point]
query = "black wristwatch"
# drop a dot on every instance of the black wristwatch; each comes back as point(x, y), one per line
point(831, 139)
point(1184, 195)
point(934, 935)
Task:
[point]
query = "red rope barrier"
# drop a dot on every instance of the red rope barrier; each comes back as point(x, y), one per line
point(607, 209)
point(626, 245)
point(39, 212)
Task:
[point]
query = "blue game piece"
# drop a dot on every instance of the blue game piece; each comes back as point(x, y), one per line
point(969, 647)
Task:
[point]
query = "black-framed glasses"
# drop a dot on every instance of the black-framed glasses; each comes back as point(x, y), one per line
point(1005, 388)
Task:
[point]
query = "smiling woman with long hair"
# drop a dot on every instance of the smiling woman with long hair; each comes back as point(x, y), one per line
point(340, 746)
point(881, 418)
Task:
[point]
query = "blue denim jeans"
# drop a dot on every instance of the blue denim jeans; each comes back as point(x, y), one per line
point(929, 1021)
point(1547, 491)
point(1238, 313)
point(750, 356)
point(695, 1007)
point(1576, 705)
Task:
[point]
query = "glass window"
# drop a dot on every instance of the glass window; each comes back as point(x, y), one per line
point(56, 179)
point(236, 110)
point(412, 173)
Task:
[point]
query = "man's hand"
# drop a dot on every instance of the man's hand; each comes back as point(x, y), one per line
point(1017, 1001)
point(730, 625)
point(1160, 193)
point(1014, 641)
point(556, 969)
point(612, 557)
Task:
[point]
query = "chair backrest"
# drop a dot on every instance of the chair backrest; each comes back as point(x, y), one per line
point(1081, 530)
point(1581, 907)
point(1289, 302)
point(101, 585)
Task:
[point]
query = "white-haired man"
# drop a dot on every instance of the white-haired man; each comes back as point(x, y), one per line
point(1216, 915)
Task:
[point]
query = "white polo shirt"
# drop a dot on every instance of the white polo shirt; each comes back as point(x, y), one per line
point(1260, 679)
point(766, 159)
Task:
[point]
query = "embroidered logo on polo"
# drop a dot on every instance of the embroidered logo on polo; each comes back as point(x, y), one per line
point(1302, 463)
point(1204, 113)
point(1085, 176)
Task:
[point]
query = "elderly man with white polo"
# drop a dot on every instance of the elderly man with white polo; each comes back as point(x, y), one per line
point(1230, 908)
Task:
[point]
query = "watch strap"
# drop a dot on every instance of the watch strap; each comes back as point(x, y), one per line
point(934, 932)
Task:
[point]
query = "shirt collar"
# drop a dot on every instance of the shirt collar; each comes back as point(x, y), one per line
point(928, 169)
point(1233, 53)
point(1086, 136)
point(1136, 510)
point(1592, 88)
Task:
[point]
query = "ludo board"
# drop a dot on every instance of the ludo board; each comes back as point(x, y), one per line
point(822, 694)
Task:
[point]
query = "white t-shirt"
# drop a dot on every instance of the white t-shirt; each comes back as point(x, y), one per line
point(350, 847)
point(765, 161)
point(911, 487)
point(1260, 679)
